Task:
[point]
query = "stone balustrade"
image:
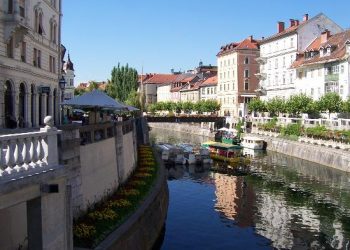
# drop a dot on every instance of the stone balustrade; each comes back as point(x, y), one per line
point(26, 154)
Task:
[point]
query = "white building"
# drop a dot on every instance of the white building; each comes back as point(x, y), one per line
point(324, 66)
point(279, 51)
point(68, 74)
point(29, 61)
point(207, 89)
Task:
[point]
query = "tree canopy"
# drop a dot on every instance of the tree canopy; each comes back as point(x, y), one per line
point(123, 82)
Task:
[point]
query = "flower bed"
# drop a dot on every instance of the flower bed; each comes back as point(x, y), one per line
point(105, 216)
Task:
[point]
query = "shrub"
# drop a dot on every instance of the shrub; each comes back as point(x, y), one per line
point(292, 129)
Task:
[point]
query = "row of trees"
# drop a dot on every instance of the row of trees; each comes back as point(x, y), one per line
point(187, 107)
point(299, 104)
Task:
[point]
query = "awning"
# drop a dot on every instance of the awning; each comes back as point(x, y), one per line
point(95, 99)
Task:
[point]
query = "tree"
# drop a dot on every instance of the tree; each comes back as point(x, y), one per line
point(78, 91)
point(275, 106)
point(256, 105)
point(123, 81)
point(297, 104)
point(133, 99)
point(346, 106)
point(187, 106)
point(92, 86)
point(330, 102)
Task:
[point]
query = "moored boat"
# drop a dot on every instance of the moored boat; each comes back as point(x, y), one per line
point(251, 142)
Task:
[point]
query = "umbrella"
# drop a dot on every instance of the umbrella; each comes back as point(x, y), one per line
point(95, 99)
point(223, 129)
point(131, 108)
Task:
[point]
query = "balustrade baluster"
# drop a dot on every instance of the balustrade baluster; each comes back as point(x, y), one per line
point(17, 156)
point(2, 159)
point(26, 154)
point(40, 152)
point(33, 153)
point(9, 158)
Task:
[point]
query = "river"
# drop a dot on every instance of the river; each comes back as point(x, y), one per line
point(284, 203)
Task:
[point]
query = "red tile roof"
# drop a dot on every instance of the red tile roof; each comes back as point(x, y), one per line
point(161, 79)
point(210, 81)
point(248, 43)
point(336, 41)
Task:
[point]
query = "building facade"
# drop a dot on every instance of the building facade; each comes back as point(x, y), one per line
point(324, 66)
point(279, 51)
point(236, 76)
point(30, 62)
point(68, 74)
point(207, 89)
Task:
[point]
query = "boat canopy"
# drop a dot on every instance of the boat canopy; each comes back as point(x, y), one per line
point(224, 146)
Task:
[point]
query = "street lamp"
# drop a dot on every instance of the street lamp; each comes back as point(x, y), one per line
point(62, 85)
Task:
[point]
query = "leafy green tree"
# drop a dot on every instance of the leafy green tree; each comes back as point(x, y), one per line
point(187, 106)
point(133, 99)
point(123, 81)
point(78, 91)
point(298, 104)
point(92, 86)
point(346, 106)
point(211, 106)
point(330, 102)
point(275, 106)
point(256, 105)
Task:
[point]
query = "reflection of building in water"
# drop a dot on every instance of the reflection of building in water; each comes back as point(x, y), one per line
point(288, 226)
point(235, 199)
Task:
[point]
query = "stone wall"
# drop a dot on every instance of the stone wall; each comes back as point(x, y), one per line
point(99, 173)
point(195, 129)
point(322, 155)
point(143, 228)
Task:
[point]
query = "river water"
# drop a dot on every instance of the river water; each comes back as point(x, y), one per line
point(285, 203)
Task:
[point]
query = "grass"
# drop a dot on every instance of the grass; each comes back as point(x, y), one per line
point(105, 216)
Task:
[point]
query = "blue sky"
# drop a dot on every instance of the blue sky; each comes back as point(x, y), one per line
point(161, 34)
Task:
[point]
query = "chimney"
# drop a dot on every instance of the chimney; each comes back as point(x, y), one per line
point(306, 17)
point(250, 38)
point(262, 38)
point(324, 36)
point(280, 27)
point(292, 22)
point(296, 22)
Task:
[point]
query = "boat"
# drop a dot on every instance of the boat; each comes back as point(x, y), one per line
point(171, 153)
point(251, 142)
point(228, 136)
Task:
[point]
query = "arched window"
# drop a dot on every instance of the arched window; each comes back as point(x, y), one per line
point(10, 6)
point(53, 31)
point(246, 60)
point(22, 8)
point(38, 23)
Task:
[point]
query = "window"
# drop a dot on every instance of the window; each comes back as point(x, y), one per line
point(342, 69)
point(22, 8)
point(53, 31)
point(312, 91)
point(37, 58)
point(312, 73)
point(203, 91)
point(220, 75)
point(23, 52)
point(246, 73)
point(269, 64)
point(39, 21)
point(276, 63)
point(284, 62)
point(276, 79)
point(335, 69)
point(233, 73)
point(300, 75)
point(224, 75)
point(291, 59)
point(341, 89)
point(10, 6)
point(291, 78)
point(291, 42)
point(9, 47)
point(246, 60)
point(233, 61)
point(211, 91)
point(283, 79)
point(52, 64)
point(207, 91)
point(246, 85)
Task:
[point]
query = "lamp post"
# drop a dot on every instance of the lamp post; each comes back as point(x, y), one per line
point(62, 85)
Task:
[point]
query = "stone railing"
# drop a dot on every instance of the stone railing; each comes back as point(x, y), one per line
point(26, 154)
point(96, 132)
point(336, 124)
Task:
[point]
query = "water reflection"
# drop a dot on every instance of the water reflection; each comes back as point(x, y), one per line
point(285, 203)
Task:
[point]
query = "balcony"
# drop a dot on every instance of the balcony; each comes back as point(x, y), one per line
point(261, 76)
point(331, 77)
